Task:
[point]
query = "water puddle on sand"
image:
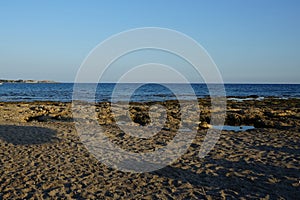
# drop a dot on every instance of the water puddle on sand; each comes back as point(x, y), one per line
point(233, 128)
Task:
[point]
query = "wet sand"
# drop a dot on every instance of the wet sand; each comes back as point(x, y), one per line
point(42, 156)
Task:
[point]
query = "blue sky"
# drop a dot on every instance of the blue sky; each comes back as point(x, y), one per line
point(250, 41)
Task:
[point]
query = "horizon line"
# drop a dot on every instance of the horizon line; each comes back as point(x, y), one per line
point(110, 82)
point(188, 83)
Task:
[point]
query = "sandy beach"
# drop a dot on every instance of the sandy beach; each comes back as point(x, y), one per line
point(42, 156)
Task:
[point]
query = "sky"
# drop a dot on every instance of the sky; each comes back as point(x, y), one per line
point(250, 41)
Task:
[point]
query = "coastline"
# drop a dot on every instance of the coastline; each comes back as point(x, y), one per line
point(26, 81)
point(43, 157)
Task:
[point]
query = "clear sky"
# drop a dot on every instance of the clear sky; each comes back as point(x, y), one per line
point(250, 41)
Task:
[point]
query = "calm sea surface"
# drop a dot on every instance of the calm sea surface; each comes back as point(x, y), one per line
point(63, 92)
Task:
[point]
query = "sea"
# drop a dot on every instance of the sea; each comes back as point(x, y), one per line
point(63, 92)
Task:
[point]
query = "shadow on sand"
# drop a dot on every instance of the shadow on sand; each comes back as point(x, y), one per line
point(26, 135)
point(259, 185)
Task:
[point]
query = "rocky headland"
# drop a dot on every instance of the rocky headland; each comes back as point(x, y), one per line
point(26, 81)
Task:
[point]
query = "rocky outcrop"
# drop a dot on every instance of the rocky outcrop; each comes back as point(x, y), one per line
point(275, 113)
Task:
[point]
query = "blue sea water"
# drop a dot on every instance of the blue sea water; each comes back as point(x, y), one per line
point(63, 92)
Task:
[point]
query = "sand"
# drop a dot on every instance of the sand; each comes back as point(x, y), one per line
point(42, 156)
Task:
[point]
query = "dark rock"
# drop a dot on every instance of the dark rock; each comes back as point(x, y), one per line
point(263, 123)
point(233, 119)
point(254, 96)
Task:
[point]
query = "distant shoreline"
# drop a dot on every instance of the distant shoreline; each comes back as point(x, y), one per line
point(193, 83)
point(26, 81)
